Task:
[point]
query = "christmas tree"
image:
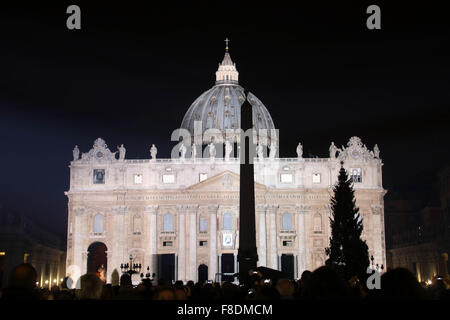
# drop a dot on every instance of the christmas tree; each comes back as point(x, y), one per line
point(348, 254)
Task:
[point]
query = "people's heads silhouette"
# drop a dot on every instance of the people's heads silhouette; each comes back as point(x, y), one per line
point(324, 284)
point(23, 276)
point(91, 287)
point(165, 293)
point(305, 276)
point(285, 288)
point(125, 281)
point(400, 283)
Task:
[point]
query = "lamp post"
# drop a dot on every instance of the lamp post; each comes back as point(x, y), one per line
point(148, 276)
point(130, 268)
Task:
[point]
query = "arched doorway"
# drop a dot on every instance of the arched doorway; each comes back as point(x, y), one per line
point(97, 260)
point(202, 273)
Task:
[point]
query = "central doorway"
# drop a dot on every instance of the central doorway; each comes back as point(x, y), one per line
point(287, 265)
point(202, 273)
point(166, 267)
point(227, 262)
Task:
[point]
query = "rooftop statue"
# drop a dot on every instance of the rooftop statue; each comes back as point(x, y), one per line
point(299, 151)
point(153, 152)
point(122, 151)
point(76, 153)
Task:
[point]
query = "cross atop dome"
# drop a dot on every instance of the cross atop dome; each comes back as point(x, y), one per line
point(226, 44)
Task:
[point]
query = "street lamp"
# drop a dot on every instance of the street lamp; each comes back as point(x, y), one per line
point(147, 275)
point(131, 268)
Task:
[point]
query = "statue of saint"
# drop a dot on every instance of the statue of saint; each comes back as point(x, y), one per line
point(194, 151)
point(182, 150)
point(260, 152)
point(333, 149)
point(122, 151)
point(228, 150)
point(76, 153)
point(273, 150)
point(212, 150)
point(153, 152)
point(376, 152)
point(299, 151)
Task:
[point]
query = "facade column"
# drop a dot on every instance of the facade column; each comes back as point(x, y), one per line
point(75, 269)
point(192, 261)
point(182, 211)
point(193, 243)
point(279, 263)
point(262, 240)
point(377, 235)
point(296, 267)
point(301, 211)
point(118, 253)
point(212, 268)
point(272, 228)
point(219, 259)
point(151, 254)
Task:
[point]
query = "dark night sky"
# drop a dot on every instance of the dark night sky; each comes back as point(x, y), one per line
point(132, 72)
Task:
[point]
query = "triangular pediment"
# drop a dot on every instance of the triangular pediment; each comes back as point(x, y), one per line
point(224, 181)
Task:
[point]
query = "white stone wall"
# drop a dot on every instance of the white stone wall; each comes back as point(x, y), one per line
point(120, 199)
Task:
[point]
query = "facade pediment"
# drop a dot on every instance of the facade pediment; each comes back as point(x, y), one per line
point(224, 181)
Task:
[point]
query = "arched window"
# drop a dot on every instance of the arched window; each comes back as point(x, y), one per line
point(286, 221)
point(318, 223)
point(168, 223)
point(227, 221)
point(98, 223)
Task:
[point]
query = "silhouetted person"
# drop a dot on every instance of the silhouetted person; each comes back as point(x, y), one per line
point(126, 288)
point(400, 283)
point(286, 289)
point(91, 287)
point(324, 284)
point(22, 284)
point(165, 293)
point(65, 293)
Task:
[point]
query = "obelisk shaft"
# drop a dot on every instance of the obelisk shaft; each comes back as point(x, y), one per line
point(247, 253)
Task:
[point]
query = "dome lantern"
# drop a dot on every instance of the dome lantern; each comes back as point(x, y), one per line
point(227, 72)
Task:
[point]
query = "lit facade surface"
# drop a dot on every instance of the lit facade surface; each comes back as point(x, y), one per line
point(189, 208)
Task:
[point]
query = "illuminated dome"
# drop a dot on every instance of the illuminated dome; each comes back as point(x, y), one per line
point(220, 107)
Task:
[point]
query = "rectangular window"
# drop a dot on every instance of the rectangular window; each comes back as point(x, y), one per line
point(356, 175)
point(99, 176)
point(138, 179)
point(286, 178)
point(316, 178)
point(203, 176)
point(287, 243)
point(203, 243)
point(203, 225)
point(167, 244)
point(168, 178)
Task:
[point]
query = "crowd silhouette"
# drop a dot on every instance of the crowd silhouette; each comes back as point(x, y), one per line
point(321, 284)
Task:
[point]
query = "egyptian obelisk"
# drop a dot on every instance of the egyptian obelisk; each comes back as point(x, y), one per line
point(247, 253)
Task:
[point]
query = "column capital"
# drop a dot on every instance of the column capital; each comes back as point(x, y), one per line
point(302, 209)
point(272, 208)
point(261, 208)
point(151, 209)
point(213, 208)
point(120, 210)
